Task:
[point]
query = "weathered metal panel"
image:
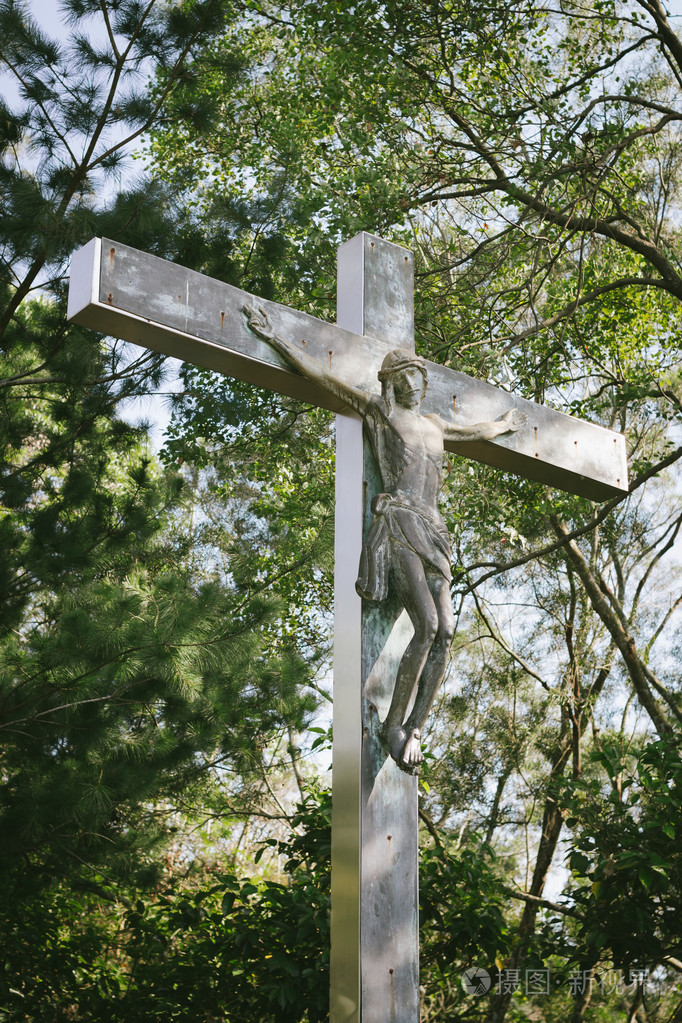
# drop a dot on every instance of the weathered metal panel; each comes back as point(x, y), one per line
point(389, 928)
point(346, 880)
point(168, 308)
point(346, 754)
point(552, 448)
point(141, 298)
point(390, 831)
point(375, 939)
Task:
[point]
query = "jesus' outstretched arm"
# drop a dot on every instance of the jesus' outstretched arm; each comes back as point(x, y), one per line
point(510, 422)
point(308, 365)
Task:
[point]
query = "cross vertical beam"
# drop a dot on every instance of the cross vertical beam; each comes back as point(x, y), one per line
point(374, 922)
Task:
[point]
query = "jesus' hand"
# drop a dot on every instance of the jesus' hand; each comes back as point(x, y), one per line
point(514, 419)
point(259, 322)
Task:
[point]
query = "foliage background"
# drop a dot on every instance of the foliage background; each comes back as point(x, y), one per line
point(164, 641)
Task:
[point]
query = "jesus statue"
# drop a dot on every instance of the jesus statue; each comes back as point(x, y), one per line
point(407, 547)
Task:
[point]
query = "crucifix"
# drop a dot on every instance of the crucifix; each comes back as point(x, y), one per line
point(392, 618)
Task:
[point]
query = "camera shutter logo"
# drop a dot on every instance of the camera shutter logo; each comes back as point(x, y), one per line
point(476, 981)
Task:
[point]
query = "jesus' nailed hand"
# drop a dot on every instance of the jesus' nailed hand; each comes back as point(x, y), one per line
point(407, 546)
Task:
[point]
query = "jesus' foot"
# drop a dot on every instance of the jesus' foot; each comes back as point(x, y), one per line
point(395, 738)
point(405, 748)
point(412, 751)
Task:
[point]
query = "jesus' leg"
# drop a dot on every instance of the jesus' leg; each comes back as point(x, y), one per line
point(432, 672)
point(415, 594)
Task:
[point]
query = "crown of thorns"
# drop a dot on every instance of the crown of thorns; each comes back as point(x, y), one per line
point(400, 358)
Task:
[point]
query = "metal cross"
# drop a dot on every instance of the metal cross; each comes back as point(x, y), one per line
point(132, 295)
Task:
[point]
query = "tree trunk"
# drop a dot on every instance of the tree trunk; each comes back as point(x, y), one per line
point(619, 633)
point(551, 829)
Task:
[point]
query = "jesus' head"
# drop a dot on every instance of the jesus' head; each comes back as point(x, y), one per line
point(404, 378)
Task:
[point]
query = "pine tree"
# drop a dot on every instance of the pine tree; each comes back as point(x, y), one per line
point(125, 671)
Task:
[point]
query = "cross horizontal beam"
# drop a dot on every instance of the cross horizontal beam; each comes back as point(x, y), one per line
point(152, 302)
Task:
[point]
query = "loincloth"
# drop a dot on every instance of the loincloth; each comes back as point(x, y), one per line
point(397, 521)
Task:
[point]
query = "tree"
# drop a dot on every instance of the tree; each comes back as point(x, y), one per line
point(128, 671)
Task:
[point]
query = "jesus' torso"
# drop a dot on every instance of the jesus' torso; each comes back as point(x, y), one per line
point(409, 449)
